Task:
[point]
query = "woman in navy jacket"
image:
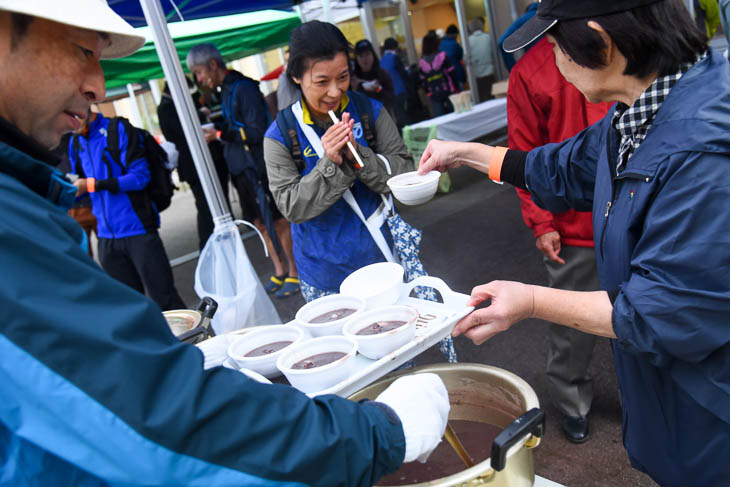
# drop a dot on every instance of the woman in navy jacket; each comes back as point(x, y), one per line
point(656, 173)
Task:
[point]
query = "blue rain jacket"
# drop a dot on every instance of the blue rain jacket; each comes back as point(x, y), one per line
point(95, 389)
point(662, 238)
point(120, 203)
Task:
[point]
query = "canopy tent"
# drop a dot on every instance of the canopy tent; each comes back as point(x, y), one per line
point(177, 10)
point(236, 36)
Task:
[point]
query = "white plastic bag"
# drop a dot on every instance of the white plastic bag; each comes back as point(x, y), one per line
point(225, 274)
point(172, 154)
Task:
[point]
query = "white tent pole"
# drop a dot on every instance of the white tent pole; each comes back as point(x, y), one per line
point(405, 16)
point(368, 24)
point(136, 115)
point(155, 89)
point(499, 69)
point(461, 19)
point(146, 113)
point(186, 111)
point(300, 13)
point(327, 11)
point(513, 10)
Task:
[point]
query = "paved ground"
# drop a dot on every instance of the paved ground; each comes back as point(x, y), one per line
point(471, 236)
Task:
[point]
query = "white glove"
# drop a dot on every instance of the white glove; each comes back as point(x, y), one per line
point(422, 404)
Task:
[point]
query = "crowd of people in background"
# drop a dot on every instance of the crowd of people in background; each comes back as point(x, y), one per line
point(409, 92)
point(232, 108)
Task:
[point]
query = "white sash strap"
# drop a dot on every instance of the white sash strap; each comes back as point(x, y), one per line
point(377, 219)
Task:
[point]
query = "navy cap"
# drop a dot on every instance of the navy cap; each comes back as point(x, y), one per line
point(549, 12)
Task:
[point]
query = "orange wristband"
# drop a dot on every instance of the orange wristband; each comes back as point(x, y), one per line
point(495, 163)
point(90, 185)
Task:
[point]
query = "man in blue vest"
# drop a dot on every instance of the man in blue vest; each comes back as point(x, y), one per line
point(95, 389)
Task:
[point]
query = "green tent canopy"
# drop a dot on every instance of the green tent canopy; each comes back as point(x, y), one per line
point(236, 36)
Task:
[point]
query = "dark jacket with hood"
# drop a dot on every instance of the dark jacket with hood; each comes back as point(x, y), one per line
point(662, 233)
point(244, 107)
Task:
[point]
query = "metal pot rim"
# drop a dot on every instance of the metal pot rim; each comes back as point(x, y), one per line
point(483, 470)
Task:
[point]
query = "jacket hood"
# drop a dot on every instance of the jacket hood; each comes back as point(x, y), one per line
point(434, 64)
point(234, 75)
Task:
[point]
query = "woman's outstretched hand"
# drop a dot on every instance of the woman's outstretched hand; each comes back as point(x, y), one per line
point(335, 138)
point(440, 156)
point(511, 302)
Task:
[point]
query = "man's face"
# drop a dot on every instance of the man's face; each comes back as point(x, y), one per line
point(50, 78)
point(207, 75)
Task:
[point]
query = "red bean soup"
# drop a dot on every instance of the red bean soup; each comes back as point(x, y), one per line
point(318, 360)
point(334, 315)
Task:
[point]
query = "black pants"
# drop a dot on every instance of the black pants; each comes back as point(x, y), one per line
point(141, 263)
point(484, 84)
point(247, 196)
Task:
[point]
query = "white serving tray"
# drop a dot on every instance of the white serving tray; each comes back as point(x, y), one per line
point(435, 322)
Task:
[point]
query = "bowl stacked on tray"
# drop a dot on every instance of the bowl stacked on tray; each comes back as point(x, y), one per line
point(363, 319)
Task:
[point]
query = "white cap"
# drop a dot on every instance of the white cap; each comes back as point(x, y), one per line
point(95, 15)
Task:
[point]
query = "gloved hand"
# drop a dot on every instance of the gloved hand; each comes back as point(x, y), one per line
point(422, 404)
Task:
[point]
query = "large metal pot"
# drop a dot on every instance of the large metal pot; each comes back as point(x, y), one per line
point(192, 326)
point(489, 395)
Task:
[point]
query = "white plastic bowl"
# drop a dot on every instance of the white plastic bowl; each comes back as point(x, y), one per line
point(379, 345)
point(323, 305)
point(215, 349)
point(412, 189)
point(318, 378)
point(230, 364)
point(378, 284)
point(263, 364)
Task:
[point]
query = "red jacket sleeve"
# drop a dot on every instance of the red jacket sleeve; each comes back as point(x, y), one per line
point(524, 132)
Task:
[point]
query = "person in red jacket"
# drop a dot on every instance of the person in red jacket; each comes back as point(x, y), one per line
point(542, 107)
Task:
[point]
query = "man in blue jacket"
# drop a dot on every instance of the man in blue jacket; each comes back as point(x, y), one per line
point(94, 388)
point(130, 248)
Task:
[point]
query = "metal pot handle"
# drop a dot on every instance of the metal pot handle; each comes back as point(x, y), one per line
point(207, 307)
point(193, 336)
point(531, 422)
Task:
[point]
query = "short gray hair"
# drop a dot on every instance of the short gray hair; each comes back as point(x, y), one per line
point(202, 54)
point(476, 25)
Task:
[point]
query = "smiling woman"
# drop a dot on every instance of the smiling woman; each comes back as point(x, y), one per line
point(311, 188)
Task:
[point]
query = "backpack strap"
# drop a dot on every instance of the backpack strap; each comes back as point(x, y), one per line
point(288, 127)
point(112, 141)
point(76, 160)
point(365, 112)
point(230, 110)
